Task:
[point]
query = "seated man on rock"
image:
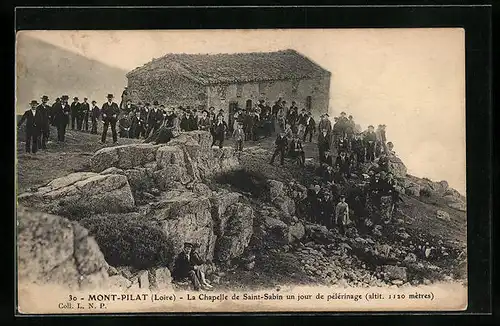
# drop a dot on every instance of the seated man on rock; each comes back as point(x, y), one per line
point(190, 265)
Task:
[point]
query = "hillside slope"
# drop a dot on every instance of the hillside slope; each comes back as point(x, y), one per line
point(54, 71)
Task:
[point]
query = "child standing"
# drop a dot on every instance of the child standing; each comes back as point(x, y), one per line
point(239, 136)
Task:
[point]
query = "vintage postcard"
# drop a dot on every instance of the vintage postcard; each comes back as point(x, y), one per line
point(290, 170)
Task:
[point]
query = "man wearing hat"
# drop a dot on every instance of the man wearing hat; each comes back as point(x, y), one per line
point(96, 113)
point(370, 140)
point(323, 144)
point(110, 112)
point(342, 214)
point(309, 127)
point(190, 265)
point(61, 117)
point(83, 117)
point(154, 119)
point(34, 123)
point(325, 123)
point(75, 110)
point(204, 122)
point(52, 110)
point(45, 110)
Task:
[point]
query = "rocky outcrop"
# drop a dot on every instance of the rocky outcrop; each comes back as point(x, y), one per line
point(236, 233)
point(396, 167)
point(184, 216)
point(188, 157)
point(81, 194)
point(123, 157)
point(220, 202)
point(52, 249)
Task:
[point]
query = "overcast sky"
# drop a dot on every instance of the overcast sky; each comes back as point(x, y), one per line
point(412, 80)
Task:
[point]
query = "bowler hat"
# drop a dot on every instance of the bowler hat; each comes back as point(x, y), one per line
point(85, 98)
point(34, 102)
point(110, 96)
point(94, 102)
point(192, 245)
point(75, 98)
point(64, 97)
point(155, 103)
point(45, 98)
point(370, 126)
point(342, 112)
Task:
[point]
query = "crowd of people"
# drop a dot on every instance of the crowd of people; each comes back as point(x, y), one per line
point(343, 149)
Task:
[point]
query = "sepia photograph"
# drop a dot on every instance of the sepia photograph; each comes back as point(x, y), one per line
point(241, 170)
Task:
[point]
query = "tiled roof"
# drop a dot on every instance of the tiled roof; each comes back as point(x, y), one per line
point(208, 69)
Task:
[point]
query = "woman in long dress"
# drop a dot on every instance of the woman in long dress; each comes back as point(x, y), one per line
point(168, 130)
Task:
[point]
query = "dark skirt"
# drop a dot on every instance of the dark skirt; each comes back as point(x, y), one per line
point(161, 136)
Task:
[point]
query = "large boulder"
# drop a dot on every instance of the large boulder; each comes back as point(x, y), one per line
point(123, 157)
point(220, 202)
point(83, 193)
point(397, 167)
point(276, 189)
point(52, 249)
point(237, 232)
point(297, 231)
point(458, 205)
point(412, 189)
point(276, 231)
point(184, 216)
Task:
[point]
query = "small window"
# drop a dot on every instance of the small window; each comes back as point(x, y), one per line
point(239, 90)
point(249, 105)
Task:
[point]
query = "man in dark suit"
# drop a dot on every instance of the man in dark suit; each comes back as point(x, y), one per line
point(310, 127)
point(84, 115)
point(296, 149)
point(323, 144)
point(45, 110)
point(154, 119)
point(220, 129)
point(34, 123)
point(75, 110)
point(343, 165)
point(370, 140)
point(53, 110)
point(190, 265)
point(61, 117)
point(96, 113)
point(281, 143)
point(128, 107)
point(110, 111)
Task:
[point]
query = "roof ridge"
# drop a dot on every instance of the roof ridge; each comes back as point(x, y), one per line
point(212, 68)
